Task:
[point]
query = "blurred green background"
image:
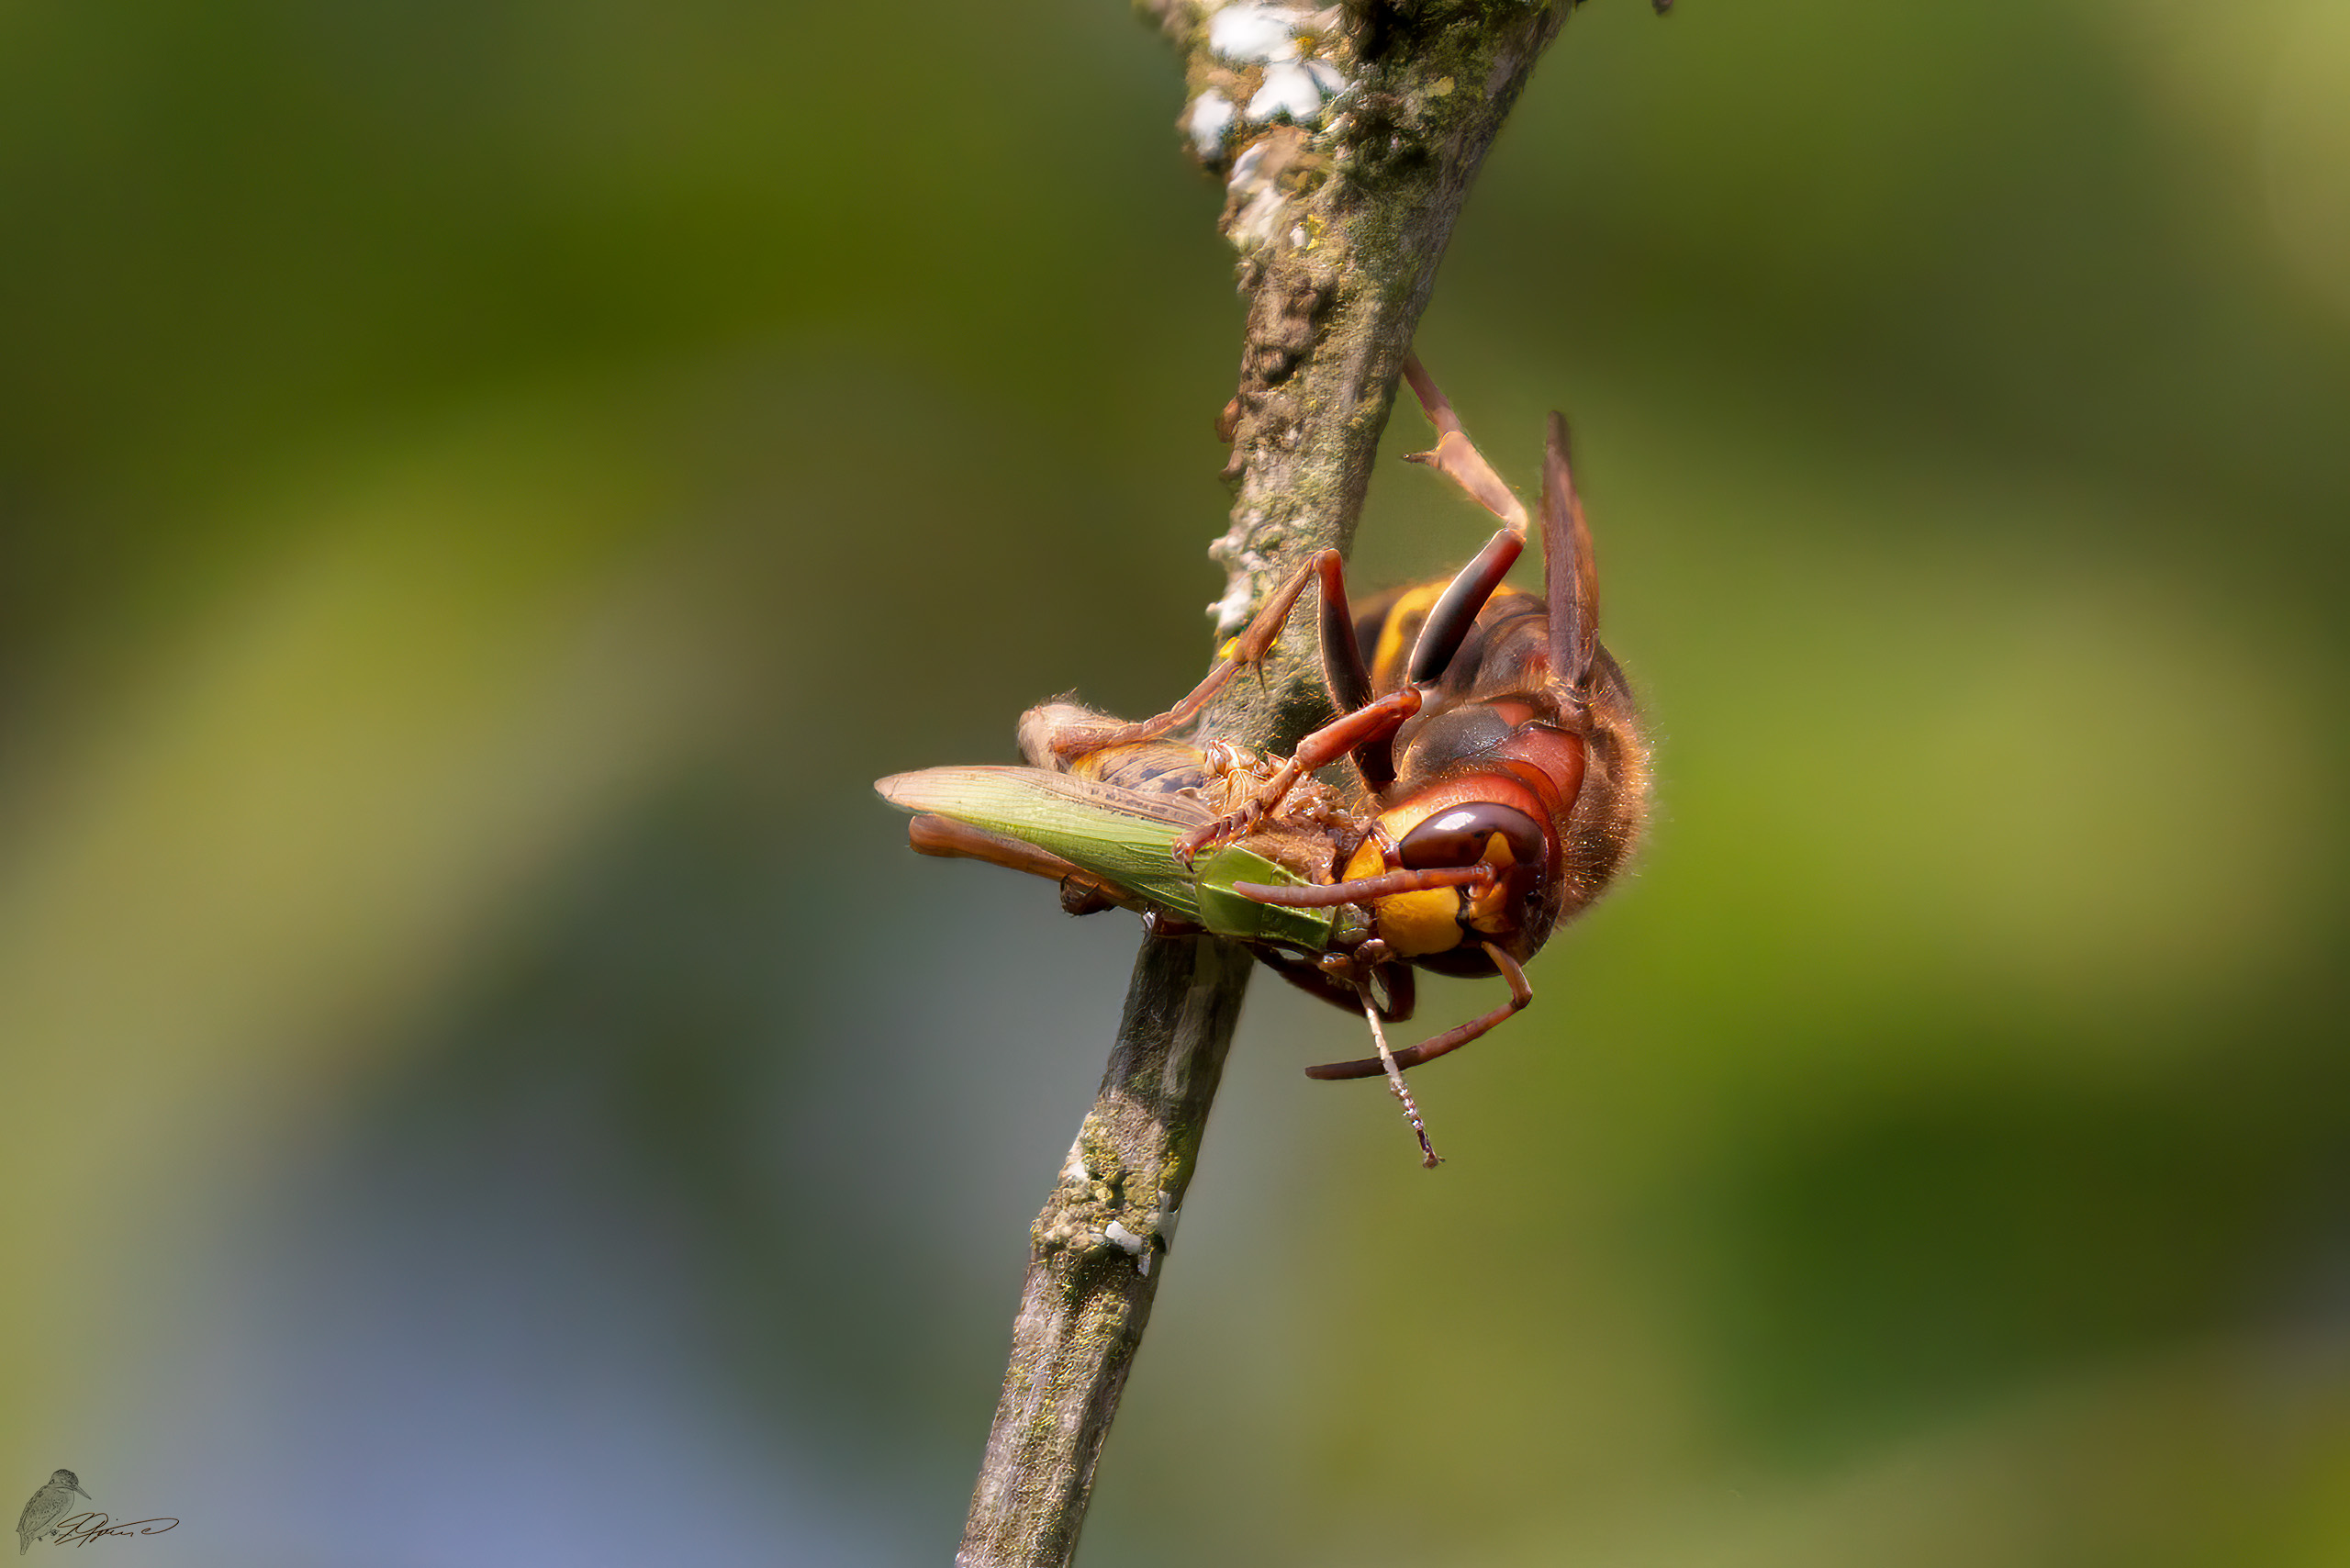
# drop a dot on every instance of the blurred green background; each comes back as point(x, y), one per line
point(485, 486)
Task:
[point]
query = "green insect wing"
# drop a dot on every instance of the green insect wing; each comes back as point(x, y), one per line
point(1124, 837)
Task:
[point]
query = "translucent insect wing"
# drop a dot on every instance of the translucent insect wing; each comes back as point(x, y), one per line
point(1122, 836)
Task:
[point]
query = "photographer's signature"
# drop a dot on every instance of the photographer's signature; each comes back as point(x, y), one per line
point(40, 1520)
point(83, 1529)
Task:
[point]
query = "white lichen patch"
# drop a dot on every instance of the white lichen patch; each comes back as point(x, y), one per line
point(1255, 35)
point(1231, 611)
point(1289, 92)
point(1288, 47)
point(1248, 168)
point(1241, 565)
point(1210, 116)
point(1255, 204)
point(1255, 223)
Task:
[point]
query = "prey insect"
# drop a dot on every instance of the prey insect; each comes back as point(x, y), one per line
point(1494, 781)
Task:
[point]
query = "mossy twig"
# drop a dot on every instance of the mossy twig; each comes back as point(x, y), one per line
point(1347, 138)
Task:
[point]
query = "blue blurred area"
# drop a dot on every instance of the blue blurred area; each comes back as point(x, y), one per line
point(484, 489)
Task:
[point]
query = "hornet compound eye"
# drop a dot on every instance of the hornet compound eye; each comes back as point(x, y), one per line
point(1460, 836)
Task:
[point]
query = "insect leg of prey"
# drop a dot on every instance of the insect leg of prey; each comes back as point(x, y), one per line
point(1395, 1080)
point(947, 839)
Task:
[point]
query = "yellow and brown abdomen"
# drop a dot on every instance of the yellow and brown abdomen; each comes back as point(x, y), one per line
point(1388, 624)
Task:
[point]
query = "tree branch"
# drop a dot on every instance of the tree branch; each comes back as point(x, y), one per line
point(1347, 139)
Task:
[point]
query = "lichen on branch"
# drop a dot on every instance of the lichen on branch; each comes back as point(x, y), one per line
point(1345, 139)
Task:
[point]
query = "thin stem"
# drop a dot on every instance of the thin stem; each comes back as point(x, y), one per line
point(1340, 226)
point(1095, 1250)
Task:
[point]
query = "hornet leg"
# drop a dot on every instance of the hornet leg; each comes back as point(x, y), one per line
point(1452, 1040)
point(1248, 650)
point(1379, 720)
point(1457, 458)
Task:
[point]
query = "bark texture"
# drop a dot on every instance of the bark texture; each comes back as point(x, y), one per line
point(1346, 140)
